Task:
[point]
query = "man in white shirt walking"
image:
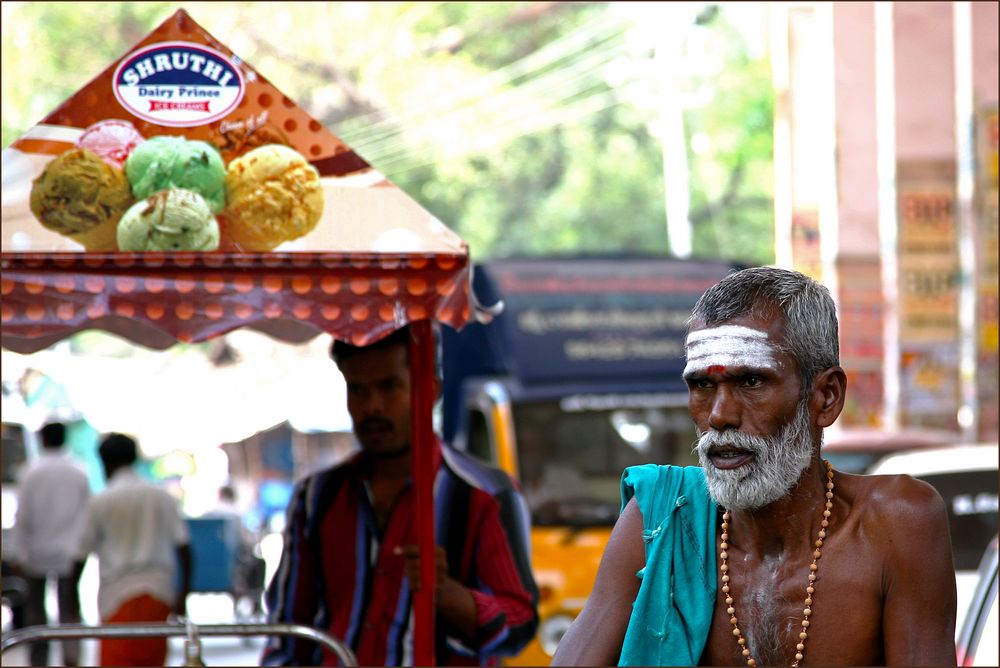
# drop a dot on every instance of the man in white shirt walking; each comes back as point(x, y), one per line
point(52, 493)
point(140, 538)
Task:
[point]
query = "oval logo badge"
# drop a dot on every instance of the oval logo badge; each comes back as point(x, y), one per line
point(178, 84)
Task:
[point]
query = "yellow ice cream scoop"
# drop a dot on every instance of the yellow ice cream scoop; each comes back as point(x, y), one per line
point(82, 197)
point(273, 195)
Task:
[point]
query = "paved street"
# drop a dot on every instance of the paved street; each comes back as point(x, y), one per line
point(202, 608)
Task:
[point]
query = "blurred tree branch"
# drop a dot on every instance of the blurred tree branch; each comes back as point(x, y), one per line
point(356, 102)
point(453, 39)
point(726, 200)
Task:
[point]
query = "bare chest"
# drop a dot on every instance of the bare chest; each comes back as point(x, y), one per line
point(769, 599)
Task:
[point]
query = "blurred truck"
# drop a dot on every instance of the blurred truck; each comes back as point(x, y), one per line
point(576, 379)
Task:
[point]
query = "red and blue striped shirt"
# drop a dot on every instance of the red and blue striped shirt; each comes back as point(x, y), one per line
point(339, 573)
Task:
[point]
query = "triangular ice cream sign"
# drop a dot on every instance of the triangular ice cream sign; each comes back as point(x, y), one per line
point(112, 168)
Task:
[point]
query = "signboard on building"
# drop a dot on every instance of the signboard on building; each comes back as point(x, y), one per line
point(929, 280)
point(806, 256)
point(987, 249)
point(862, 309)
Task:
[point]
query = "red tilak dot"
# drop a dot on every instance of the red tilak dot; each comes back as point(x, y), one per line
point(716, 368)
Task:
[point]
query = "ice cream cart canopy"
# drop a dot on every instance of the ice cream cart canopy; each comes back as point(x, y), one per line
point(370, 262)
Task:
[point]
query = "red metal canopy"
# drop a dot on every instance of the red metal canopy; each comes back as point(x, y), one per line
point(157, 299)
point(375, 262)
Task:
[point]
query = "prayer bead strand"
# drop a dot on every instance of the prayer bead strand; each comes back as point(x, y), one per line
point(810, 588)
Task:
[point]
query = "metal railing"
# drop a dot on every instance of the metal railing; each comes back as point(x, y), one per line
point(192, 646)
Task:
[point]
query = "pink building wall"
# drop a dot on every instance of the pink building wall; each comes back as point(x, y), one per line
point(923, 53)
point(854, 90)
point(985, 22)
point(925, 80)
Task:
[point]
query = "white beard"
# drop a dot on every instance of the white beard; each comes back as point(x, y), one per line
point(779, 462)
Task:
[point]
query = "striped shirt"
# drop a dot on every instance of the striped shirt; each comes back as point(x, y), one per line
point(339, 573)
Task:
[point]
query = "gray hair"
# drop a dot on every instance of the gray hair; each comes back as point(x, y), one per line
point(811, 331)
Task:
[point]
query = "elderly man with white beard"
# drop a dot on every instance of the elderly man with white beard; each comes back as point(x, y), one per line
point(765, 555)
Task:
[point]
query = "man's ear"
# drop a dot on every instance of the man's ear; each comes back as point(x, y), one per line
point(828, 395)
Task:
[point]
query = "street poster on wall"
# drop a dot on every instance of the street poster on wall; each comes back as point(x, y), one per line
point(929, 280)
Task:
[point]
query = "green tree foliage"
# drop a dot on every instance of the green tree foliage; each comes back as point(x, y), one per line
point(51, 49)
point(528, 127)
point(731, 205)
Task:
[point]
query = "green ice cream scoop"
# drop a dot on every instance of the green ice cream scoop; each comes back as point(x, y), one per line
point(170, 220)
point(175, 162)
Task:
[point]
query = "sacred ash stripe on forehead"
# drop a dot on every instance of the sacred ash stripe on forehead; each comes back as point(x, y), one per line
point(728, 346)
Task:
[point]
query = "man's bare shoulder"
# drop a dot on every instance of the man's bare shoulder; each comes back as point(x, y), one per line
point(900, 500)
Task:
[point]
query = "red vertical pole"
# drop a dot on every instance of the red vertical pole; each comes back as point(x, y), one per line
point(422, 394)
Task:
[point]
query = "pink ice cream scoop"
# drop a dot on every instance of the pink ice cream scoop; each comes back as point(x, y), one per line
point(112, 139)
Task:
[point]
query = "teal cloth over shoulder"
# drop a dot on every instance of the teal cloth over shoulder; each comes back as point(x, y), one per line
point(672, 613)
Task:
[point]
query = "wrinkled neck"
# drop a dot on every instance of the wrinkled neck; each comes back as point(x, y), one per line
point(786, 524)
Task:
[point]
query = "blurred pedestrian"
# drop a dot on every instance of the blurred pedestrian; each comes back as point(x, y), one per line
point(350, 558)
point(237, 537)
point(140, 537)
point(248, 571)
point(51, 493)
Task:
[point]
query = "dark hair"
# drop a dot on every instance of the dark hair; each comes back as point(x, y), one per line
point(53, 434)
point(341, 350)
point(118, 450)
point(811, 331)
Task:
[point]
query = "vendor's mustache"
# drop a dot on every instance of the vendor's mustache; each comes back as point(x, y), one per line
point(375, 423)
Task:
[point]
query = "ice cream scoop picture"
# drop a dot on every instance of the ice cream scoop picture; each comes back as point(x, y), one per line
point(175, 162)
point(82, 197)
point(170, 220)
point(112, 139)
point(273, 195)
